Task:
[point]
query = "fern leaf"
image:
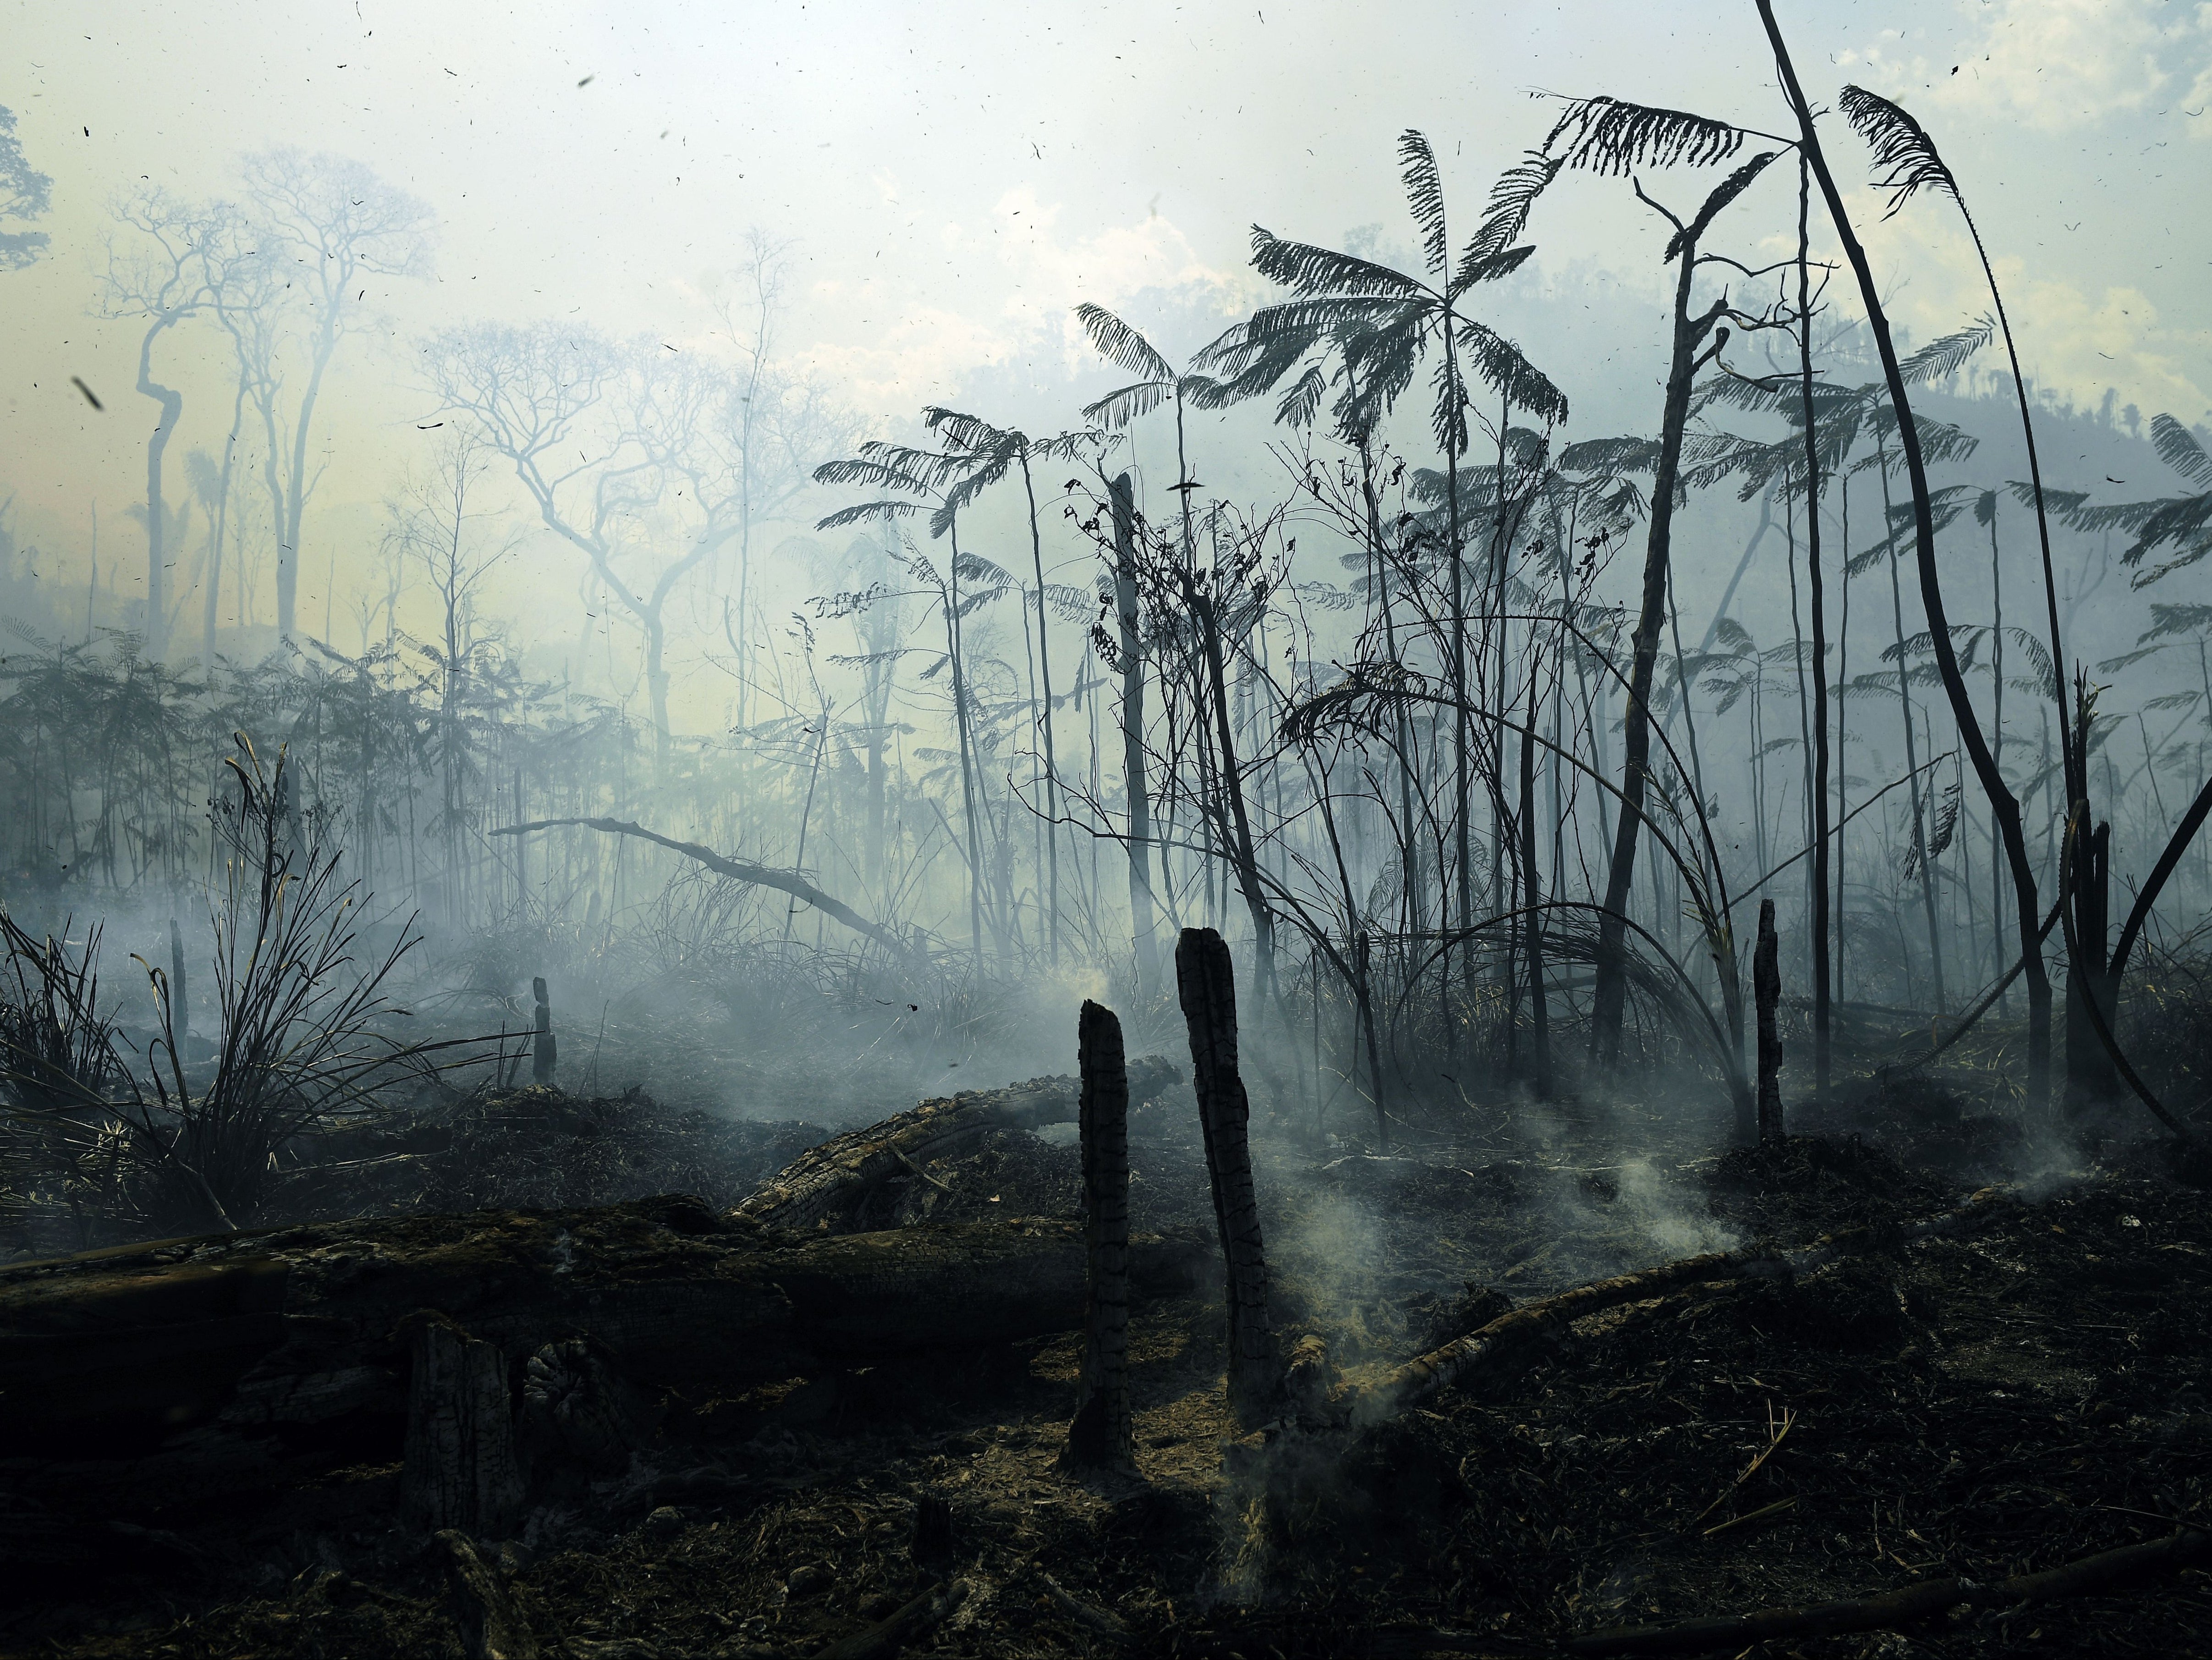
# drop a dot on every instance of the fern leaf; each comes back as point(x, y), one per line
point(1424, 195)
point(1903, 154)
point(1311, 269)
point(2177, 448)
point(1498, 361)
point(1117, 409)
point(1122, 345)
point(1609, 135)
point(1942, 358)
point(1723, 193)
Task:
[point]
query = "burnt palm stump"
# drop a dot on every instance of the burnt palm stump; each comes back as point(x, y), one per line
point(1100, 1435)
point(1205, 985)
point(1766, 992)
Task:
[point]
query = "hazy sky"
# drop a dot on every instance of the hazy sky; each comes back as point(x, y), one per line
point(954, 178)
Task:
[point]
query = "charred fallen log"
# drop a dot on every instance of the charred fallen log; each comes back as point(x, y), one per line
point(1511, 1337)
point(187, 1351)
point(830, 1185)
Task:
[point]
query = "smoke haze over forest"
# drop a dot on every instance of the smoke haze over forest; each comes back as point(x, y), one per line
point(809, 809)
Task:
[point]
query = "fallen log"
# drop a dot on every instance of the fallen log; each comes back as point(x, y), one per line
point(1512, 1336)
point(1903, 1606)
point(831, 1184)
point(199, 1354)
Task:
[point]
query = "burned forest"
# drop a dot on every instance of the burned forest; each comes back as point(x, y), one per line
point(1345, 833)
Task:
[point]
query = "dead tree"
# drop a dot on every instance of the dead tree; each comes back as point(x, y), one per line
point(544, 1055)
point(1101, 1434)
point(1766, 991)
point(1205, 985)
point(460, 1471)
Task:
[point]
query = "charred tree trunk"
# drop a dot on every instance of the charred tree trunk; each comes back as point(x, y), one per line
point(1103, 1433)
point(180, 1003)
point(2090, 1077)
point(460, 1470)
point(544, 1056)
point(1767, 990)
point(2005, 806)
point(1609, 995)
point(1532, 919)
point(1205, 984)
point(1133, 736)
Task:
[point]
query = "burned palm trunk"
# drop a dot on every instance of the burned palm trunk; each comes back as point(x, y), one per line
point(1101, 1434)
point(2090, 1076)
point(461, 1469)
point(1206, 986)
point(1767, 990)
point(181, 1005)
point(543, 1054)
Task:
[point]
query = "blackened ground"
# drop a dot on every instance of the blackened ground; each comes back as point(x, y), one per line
point(1983, 1406)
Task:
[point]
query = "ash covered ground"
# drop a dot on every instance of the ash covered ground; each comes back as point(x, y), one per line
point(1977, 1406)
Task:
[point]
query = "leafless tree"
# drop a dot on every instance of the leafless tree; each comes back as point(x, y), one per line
point(291, 286)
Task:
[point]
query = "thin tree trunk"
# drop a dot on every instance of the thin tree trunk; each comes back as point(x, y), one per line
point(1608, 999)
point(1532, 896)
point(1823, 989)
point(1139, 833)
point(2001, 802)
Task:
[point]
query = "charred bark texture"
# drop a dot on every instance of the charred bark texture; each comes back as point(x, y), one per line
point(1103, 1434)
point(1766, 991)
point(460, 1471)
point(1205, 984)
point(2091, 1078)
point(830, 1185)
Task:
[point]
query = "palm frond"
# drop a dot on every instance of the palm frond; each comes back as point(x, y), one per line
point(1298, 404)
point(1498, 361)
point(1479, 267)
point(2177, 448)
point(1309, 269)
point(865, 512)
point(1903, 154)
point(1122, 345)
point(2167, 621)
point(1942, 358)
point(1610, 135)
point(1117, 409)
point(1512, 199)
point(1723, 193)
point(1610, 456)
point(1424, 195)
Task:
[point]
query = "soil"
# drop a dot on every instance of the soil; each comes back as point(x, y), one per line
point(1982, 1406)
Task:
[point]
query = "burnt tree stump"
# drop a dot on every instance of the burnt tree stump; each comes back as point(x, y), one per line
point(1205, 985)
point(460, 1471)
point(544, 1056)
point(1766, 992)
point(1101, 1434)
